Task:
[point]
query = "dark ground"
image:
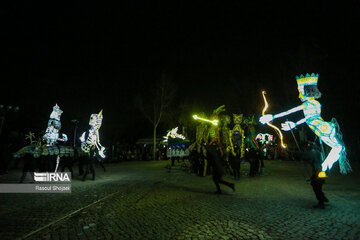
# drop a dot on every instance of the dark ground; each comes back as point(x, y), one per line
point(142, 200)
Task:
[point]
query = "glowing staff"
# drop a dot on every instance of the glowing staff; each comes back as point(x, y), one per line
point(214, 122)
point(277, 130)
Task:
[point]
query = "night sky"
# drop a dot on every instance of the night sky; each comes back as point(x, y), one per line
point(87, 57)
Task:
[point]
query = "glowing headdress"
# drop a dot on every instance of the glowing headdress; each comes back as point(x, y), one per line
point(96, 120)
point(306, 80)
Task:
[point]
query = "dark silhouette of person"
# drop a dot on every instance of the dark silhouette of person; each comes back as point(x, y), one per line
point(214, 158)
point(253, 158)
point(313, 156)
point(67, 162)
point(214, 152)
point(29, 166)
point(90, 161)
point(235, 161)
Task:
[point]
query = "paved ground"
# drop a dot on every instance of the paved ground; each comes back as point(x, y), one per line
point(142, 200)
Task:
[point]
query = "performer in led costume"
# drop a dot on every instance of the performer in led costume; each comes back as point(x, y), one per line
point(250, 138)
point(237, 147)
point(54, 126)
point(52, 134)
point(199, 145)
point(50, 150)
point(226, 133)
point(238, 134)
point(90, 141)
point(214, 152)
point(226, 140)
point(328, 132)
point(252, 146)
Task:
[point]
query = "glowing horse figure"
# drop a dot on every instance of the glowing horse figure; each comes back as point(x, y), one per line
point(93, 140)
point(173, 134)
point(328, 132)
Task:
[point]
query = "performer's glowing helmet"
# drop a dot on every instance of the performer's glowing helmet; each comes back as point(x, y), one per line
point(306, 80)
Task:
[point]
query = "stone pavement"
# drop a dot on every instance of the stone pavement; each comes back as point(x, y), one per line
point(142, 200)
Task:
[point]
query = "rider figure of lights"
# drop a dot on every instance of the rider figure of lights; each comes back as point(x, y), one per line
point(54, 126)
point(92, 141)
point(328, 132)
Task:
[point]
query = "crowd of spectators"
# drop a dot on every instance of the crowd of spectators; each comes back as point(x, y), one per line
point(136, 152)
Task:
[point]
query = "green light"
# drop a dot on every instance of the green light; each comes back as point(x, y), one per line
point(214, 122)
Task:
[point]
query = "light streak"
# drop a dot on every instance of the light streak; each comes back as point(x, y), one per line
point(277, 130)
point(214, 122)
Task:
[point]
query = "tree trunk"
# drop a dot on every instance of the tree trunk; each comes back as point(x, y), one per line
point(154, 144)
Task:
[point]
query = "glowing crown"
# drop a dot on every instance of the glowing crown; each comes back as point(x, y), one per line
point(307, 79)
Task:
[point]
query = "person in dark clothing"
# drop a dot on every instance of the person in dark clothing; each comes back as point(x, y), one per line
point(235, 161)
point(90, 161)
point(81, 161)
point(101, 163)
point(253, 158)
point(214, 152)
point(195, 161)
point(29, 166)
point(214, 158)
point(317, 179)
point(67, 162)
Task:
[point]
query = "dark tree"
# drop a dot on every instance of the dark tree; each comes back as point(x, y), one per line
point(154, 101)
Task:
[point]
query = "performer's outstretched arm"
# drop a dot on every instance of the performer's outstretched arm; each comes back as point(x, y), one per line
point(269, 117)
point(295, 109)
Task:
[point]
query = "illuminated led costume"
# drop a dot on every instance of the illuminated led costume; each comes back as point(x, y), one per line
point(54, 126)
point(265, 142)
point(238, 134)
point(250, 139)
point(201, 131)
point(264, 138)
point(92, 141)
point(52, 134)
point(90, 144)
point(226, 133)
point(51, 138)
point(177, 144)
point(237, 147)
point(200, 143)
point(214, 133)
point(214, 152)
point(328, 132)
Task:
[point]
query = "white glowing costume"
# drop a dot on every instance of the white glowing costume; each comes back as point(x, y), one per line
point(54, 125)
point(328, 132)
point(93, 140)
point(51, 138)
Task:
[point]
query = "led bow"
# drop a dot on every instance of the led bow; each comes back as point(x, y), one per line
point(277, 130)
point(214, 122)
